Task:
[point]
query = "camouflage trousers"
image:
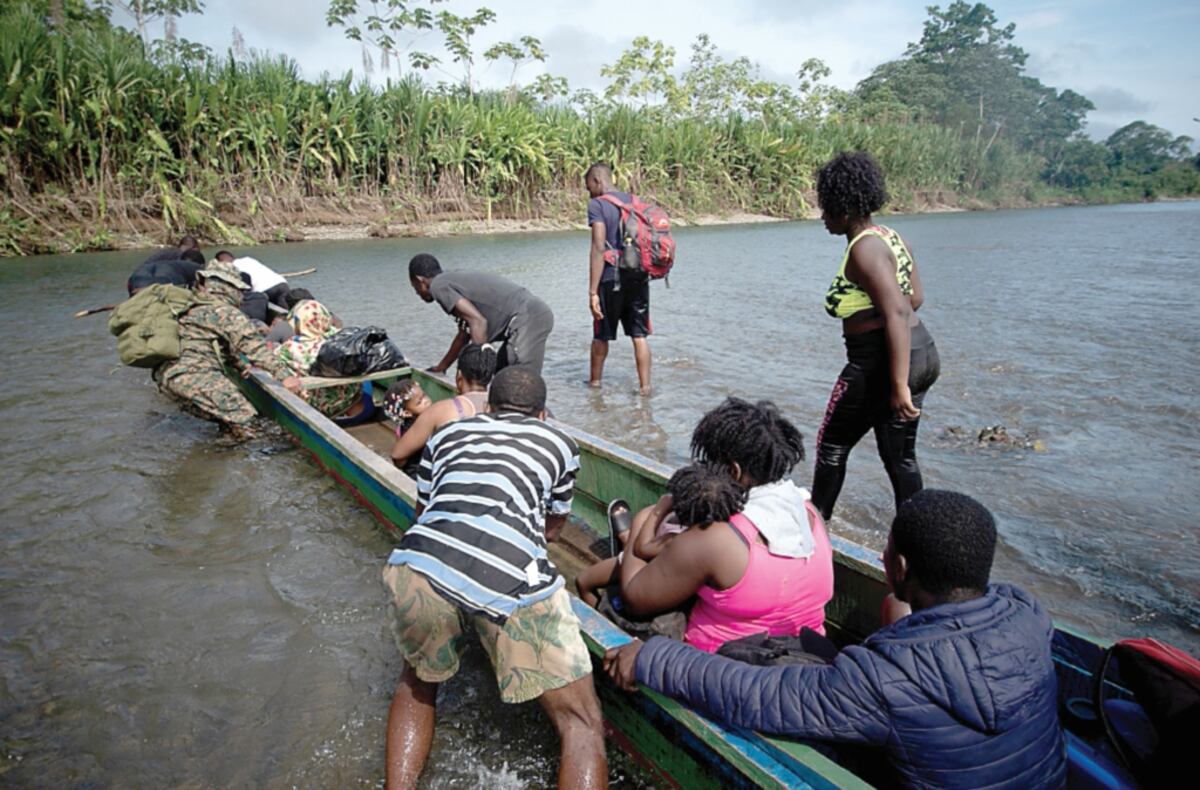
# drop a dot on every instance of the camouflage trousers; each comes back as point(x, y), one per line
point(210, 396)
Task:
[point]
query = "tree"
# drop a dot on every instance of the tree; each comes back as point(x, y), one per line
point(1143, 148)
point(145, 12)
point(1079, 164)
point(380, 27)
point(521, 53)
point(966, 72)
point(643, 74)
point(458, 32)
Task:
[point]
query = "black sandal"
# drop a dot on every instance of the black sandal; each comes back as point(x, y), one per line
point(618, 524)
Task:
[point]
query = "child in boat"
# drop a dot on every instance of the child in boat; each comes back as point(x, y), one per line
point(403, 402)
point(698, 495)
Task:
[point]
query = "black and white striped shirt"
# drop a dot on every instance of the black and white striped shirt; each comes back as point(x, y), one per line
point(486, 484)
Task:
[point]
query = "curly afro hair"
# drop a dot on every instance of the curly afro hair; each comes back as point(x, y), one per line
point(754, 435)
point(851, 184)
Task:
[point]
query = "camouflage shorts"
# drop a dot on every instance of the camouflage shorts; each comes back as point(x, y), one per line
point(538, 649)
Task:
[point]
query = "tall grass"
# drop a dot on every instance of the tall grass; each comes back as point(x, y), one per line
point(90, 124)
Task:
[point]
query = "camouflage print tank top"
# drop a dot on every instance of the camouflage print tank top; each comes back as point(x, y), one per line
point(845, 298)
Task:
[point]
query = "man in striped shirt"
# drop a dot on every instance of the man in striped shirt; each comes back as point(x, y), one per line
point(492, 490)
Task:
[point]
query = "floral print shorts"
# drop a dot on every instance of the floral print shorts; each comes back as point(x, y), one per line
point(538, 649)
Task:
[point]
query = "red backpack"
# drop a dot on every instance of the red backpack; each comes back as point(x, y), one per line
point(646, 229)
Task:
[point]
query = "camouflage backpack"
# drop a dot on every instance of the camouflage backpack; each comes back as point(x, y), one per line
point(146, 325)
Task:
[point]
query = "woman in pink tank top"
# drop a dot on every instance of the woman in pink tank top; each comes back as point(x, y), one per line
point(779, 595)
point(770, 568)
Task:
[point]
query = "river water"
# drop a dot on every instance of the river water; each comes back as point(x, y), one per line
point(175, 613)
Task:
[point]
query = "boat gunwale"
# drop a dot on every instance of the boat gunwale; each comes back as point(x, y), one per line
point(1072, 648)
point(771, 761)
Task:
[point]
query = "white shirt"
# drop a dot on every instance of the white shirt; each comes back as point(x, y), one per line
point(262, 279)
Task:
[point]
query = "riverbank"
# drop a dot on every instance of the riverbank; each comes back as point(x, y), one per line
point(53, 224)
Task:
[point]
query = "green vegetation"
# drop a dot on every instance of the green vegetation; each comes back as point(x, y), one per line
point(104, 136)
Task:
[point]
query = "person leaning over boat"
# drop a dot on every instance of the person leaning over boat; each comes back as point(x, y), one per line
point(492, 490)
point(770, 568)
point(961, 693)
point(891, 359)
point(213, 333)
point(263, 279)
point(174, 266)
point(476, 366)
point(489, 309)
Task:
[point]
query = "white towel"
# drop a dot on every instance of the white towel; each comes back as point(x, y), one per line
point(780, 516)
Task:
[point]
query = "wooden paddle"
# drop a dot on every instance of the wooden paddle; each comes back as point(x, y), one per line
point(108, 307)
point(95, 310)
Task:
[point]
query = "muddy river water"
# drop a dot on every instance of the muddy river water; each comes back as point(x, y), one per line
point(176, 613)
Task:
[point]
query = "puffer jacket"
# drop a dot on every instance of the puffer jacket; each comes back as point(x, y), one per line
point(958, 695)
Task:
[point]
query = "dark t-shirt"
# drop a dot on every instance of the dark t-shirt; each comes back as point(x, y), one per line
point(497, 299)
point(602, 211)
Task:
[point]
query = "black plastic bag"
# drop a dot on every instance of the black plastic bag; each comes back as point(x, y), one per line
point(357, 351)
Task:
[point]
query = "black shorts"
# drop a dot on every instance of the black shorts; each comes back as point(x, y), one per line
point(628, 305)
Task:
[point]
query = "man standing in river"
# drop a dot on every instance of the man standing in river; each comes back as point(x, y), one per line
point(492, 491)
point(614, 297)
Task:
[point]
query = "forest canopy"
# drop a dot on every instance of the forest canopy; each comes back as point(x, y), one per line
point(107, 131)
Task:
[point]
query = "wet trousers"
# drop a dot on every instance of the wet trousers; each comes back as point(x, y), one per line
point(861, 401)
point(211, 396)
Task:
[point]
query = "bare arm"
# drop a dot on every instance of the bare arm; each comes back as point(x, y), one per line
point(684, 566)
point(873, 268)
point(477, 325)
point(647, 545)
point(456, 347)
point(596, 269)
point(413, 440)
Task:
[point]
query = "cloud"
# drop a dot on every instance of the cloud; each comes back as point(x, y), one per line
point(1100, 130)
point(1039, 20)
point(1110, 99)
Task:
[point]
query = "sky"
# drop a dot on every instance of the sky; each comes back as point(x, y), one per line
point(1135, 61)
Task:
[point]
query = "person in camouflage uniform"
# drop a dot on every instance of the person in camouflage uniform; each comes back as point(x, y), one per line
point(212, 333)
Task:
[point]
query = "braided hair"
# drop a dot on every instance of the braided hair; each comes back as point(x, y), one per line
point(704, 493)
point(755, 436)
point(852, 184)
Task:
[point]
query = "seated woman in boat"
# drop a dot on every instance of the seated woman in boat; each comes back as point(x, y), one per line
point(476, 365)
point(312, 323)
point(770, 568)
point(697, 496)
point(281, 326)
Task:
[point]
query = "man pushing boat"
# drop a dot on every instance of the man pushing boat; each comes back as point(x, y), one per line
point(492, 490)
point(489, 309)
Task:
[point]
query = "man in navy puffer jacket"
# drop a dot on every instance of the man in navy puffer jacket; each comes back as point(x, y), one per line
point(960, 693)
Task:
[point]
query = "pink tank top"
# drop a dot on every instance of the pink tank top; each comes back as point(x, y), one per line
point(779, 595)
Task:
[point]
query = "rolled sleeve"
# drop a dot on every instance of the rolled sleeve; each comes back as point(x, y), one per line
point(563, 490)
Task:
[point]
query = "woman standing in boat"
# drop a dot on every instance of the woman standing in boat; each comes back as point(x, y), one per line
point(891, 358)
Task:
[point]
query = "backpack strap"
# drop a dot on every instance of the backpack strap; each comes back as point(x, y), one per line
point(608, 197)
point(1123, 754)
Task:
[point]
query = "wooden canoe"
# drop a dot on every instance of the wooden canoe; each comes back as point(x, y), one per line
point(679, 746)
